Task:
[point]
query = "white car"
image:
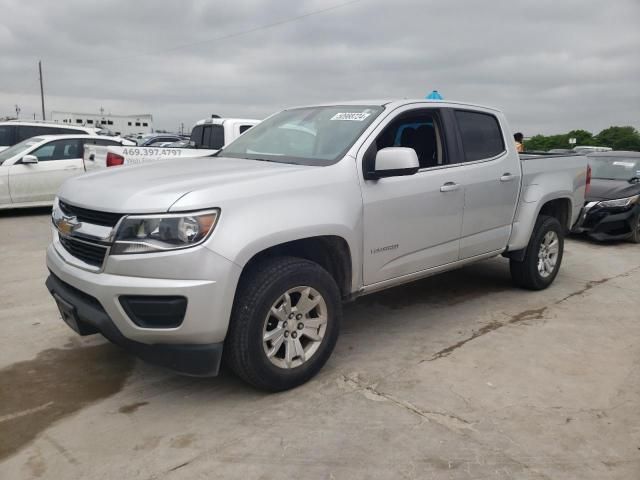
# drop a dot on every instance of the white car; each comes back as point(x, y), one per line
point(33, 170)
point(15, 131)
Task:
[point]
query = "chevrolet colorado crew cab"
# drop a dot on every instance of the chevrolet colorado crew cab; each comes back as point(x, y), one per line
point(247, 256)
point(207, 137)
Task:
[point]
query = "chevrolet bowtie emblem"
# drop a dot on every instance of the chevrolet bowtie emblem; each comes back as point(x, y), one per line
point(66, 225)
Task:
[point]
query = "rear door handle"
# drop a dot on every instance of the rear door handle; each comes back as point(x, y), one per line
point(507, 177)
point(449, 187)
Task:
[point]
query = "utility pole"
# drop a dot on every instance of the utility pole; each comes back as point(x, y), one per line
point(41, 88)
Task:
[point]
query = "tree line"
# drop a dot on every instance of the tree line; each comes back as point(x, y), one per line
point(618, 138)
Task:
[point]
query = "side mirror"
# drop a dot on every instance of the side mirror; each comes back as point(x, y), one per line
point(29, 159)
point(396, 162)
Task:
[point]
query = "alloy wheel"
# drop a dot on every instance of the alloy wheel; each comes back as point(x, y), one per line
point(294, 327)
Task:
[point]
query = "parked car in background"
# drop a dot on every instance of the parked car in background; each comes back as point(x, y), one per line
point(612, 211)
point(585, 149)
point(251, 253)
point(32, 171)
point(15, 131)
point(180, 144)
point(560, 150)
point(207, 137)
point(160, 140)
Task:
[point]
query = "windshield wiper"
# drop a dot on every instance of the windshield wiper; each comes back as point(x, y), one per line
point(271, 161)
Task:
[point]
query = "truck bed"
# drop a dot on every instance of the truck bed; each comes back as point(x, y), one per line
point(543, 176)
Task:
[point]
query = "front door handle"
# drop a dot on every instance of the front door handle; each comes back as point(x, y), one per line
point(507, 177)
point(449, 187)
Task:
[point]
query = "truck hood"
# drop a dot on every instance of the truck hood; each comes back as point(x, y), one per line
point(602, 189)
point(155, 187)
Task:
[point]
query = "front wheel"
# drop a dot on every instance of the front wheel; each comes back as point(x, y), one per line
point(635, 230)
point(543, 256)
point(284, 324)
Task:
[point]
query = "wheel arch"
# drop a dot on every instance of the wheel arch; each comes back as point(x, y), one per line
point(331, 252)
point(559, 207)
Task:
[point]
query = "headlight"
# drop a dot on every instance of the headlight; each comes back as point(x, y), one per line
point(619, 203)
point(158, 233)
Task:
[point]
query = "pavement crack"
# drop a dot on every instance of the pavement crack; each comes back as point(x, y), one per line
point(594, 283)
point(178, 467)
point(448, 420)
point(23, 413)
point(589, 285)
point(66, 454)
point(533, 314)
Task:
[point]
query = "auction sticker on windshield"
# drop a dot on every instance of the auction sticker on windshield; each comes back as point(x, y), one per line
point(354, 116)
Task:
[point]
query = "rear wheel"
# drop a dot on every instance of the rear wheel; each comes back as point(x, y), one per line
point(543, 256)
point(284, 324)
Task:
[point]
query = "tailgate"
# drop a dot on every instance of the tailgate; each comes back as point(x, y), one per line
point(95, 157)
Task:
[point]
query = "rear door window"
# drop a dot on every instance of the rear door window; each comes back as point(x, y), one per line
point(213, 137)
point(196, 136)
point(206, 136)
point(7, 135)
point(217, 137)
point(481, 135)
point(28, 131)
point(58, 150)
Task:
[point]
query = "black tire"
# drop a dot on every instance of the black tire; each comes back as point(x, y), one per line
point(259, 288)
point(635, 230)
point(525, 273)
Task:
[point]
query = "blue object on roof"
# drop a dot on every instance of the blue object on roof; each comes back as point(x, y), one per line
point(435, 95)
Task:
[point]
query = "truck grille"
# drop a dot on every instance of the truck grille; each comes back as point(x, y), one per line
point(89, 253)
point(95, 217)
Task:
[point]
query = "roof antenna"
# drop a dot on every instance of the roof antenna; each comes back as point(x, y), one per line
point(434, 95)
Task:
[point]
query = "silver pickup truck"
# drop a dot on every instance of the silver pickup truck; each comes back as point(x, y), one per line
point(248, 256)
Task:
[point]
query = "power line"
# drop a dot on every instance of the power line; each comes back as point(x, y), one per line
point(225, 37)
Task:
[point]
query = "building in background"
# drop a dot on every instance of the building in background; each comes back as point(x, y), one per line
point(116, 124)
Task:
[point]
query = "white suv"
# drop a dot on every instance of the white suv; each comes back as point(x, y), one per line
point(15, 131)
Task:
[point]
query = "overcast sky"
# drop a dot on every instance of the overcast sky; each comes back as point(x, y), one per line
point(550, 65)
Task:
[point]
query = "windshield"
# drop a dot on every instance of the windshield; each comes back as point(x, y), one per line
point(304, 136)
point(615, 168)
point(17, 148)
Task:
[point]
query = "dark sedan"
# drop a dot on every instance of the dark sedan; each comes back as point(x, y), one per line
point(612, 209)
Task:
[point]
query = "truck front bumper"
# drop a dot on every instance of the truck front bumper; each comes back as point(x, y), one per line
point(91, 302)
point(86, 316)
